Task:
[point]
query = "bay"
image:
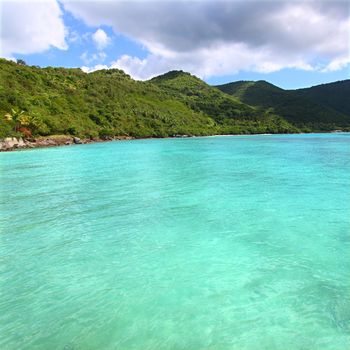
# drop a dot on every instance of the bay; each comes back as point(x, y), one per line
point(237, 242)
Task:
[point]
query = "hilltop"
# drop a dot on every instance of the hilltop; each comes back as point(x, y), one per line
point(323, 107)
point(229, 113)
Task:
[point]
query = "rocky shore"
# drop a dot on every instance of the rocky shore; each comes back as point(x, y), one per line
point(13, 143)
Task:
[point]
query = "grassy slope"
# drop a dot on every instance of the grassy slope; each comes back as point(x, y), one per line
point(296, 106)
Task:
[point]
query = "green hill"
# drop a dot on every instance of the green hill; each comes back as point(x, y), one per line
point(202, 97)
point(110, 103)
point(333, 95)
point(107, 103)
point(303, 107)
point(230, 114)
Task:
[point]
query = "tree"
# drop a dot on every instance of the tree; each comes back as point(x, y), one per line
point(15, 117)
point(21, 62)
point(20, 119)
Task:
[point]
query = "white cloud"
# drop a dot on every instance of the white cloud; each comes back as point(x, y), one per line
point(206, 62)
point(93, 69)
point(337, 64)
point(89, 58)
point(100, 39)
point(31, 27)
point(215, 38)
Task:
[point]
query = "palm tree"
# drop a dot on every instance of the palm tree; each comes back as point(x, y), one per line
point(19, 119)
point(16, 117)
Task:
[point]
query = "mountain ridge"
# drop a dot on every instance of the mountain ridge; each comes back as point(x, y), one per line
point(302, 106)
point(108, 103)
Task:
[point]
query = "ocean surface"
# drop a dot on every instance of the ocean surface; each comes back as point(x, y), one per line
point(239, 243)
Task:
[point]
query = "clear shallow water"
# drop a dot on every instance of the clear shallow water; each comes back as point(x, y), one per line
point(208, 243)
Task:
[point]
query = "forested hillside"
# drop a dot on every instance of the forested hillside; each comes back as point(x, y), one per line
point(107, 103)
point(324, 107)
point(333, 95)
point(69, 101)
point(229, 113)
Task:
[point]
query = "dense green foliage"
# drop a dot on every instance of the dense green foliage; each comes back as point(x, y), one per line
point(229, 113)
point(103, 103)
point(311, 109)
point(109, 103)
point(333, 95)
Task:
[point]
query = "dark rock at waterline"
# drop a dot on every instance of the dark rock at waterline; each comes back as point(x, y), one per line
point(77, 140)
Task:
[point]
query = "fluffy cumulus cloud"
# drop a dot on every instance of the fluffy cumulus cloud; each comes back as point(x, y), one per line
point(100, 39)
point(30, 27)
point(215, 38)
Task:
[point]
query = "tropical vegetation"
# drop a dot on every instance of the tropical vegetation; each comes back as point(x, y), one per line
point(107, 103)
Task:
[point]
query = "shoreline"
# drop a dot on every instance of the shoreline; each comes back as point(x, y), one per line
point(11, 144)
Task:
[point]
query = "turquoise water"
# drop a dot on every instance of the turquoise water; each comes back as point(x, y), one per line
point(214, 243)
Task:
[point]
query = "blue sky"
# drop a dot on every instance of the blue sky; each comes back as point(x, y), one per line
point(80, 41)
point(290, 44)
